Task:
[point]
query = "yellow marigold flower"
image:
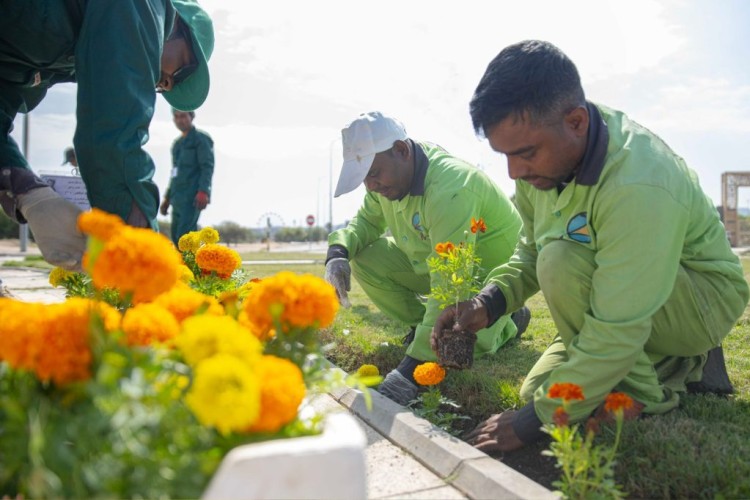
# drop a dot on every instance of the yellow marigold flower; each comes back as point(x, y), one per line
point(368, 371)
point(566, 391)
point(219, 259)
point(206, 336)
point(264, 335)
point(617, 401)
point(225, 394)
point(298, 301)
point(429, 373)
point(208, 235)
point(281, 393)
point(99, 224)
point(478, 225)
point(146, 324)
point(186, 275)
point(184, 302)
point(189, 242)
point(138, 261)
point(58, 275)
point(246, 287)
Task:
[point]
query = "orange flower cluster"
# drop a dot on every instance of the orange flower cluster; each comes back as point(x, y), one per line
point(566, 391)
point(429, 373)
point(52, 340)
point(136, 261)
point(445, 249)
point(219, 259)
point(478, 225)
point(617, 401)
point(294, 300)
point(281, 393)
point(100, 224)
point(146, 324)
point(183, 302)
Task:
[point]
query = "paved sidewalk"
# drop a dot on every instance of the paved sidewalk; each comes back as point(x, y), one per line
point(406, 456)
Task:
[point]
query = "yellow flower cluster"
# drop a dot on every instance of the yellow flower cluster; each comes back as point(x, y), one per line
point(429, 373)
point(292, 300)
point(192, 241)
point(218, 259)
point(52, 340)
point(183, 302)
point(368, 371)
point(58, 275)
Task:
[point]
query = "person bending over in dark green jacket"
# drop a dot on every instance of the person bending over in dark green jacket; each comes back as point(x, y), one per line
point(628, 250)
point(121, 54)
point(189, 190)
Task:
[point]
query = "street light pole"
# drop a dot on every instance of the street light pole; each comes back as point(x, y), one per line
point(330, 184)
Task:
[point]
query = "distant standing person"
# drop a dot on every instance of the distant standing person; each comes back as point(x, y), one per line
point(189, 189)
point(70, 157)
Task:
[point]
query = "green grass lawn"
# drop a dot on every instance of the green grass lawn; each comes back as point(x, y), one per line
point(701, 450)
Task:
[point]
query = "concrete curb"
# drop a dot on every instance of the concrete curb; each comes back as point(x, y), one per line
point(470, 470)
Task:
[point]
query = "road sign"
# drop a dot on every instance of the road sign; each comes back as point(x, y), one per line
point(310, 220)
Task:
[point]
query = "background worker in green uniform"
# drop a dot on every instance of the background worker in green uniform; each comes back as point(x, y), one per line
point(423, 196)
point(120, 54)
point(628, 250)
point(189, 190)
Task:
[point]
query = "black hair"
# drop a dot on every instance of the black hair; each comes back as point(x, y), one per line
point(191, 113)
point(531, 76)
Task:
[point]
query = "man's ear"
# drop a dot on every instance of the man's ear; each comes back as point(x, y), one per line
point(401, 149)
point(577, 121)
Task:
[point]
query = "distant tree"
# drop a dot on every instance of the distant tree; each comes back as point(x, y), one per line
point(287, 234)
point(233, 233)
point(8, 227)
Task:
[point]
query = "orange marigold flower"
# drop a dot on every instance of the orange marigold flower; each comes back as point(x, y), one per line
point(99, 224)
point(295, 300)
point(137, 261)
point(617, 401)
point(560, 417)
point(429, 373)
point(566, 391)
point(21, 324)
point(281, 393)
point(146, 324)
point(444, 249)
point(219, 259)
point(183, 302)
point(478, 225)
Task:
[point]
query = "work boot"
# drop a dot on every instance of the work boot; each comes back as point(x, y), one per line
point(409, 337)
point(715, 379)
point(53, 222)
point(521, 318)
point(398, 388)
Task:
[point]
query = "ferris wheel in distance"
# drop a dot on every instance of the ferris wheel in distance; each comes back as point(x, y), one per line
point(270, 220)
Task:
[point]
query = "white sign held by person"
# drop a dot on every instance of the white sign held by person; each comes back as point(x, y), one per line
point(70, 187)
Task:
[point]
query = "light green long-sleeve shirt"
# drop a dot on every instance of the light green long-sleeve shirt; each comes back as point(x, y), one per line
point(644, 214)
point(446, 194)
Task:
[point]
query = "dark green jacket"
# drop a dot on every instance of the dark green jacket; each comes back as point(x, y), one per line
point(112, 48)
point(192, 167)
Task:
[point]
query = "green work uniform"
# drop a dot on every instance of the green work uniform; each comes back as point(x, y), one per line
point(192, 170)
point(445, 194)
point(635, 266)
point(112, 48)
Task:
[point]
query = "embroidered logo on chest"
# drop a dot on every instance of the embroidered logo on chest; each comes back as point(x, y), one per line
point(577, 229)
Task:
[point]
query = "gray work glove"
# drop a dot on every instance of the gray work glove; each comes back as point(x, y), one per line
point(53, 222)
point(339, 274)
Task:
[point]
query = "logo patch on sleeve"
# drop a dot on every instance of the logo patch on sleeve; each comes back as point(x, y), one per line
point(577, 229)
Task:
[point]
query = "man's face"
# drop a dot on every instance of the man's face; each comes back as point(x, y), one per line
point(544, 155)
point(176, 58)
point(391, 172)
point(183, 121)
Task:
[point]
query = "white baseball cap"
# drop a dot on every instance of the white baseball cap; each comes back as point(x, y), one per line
point(362, 139)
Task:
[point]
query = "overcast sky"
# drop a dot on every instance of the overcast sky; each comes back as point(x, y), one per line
point(288, 75)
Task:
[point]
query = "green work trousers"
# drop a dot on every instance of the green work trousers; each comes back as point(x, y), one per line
point(695, 318)
point(387, 276)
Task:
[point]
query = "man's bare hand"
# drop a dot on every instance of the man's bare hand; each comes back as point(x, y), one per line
point(469, 316)
point(495, 434)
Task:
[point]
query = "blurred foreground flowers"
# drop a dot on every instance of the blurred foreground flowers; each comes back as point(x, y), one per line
point(158, 363)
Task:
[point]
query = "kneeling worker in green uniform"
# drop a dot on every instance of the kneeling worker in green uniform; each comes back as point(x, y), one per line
point(628, 250)
point(423, 196)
